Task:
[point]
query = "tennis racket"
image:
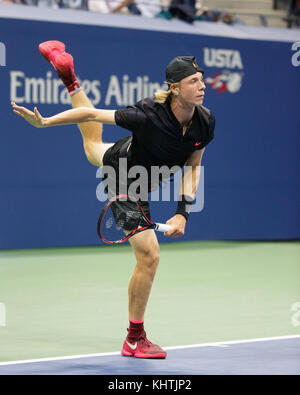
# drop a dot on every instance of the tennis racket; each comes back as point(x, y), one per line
point(123, 217)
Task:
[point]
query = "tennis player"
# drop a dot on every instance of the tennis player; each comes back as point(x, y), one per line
point(169, 129)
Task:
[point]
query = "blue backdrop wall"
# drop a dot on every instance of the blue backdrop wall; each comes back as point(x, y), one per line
point(47, 187)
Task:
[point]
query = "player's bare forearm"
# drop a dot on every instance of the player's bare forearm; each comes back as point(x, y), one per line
point(76, 115)
point(81, 114)
point(191, 175)
point(189, 183)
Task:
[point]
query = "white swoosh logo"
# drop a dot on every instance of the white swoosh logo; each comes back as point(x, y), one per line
point(132, 346)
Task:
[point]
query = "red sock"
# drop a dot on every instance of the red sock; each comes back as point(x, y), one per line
point(136, 328)
point(73, 88)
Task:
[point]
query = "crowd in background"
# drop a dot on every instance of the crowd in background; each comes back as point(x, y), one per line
point(186, 10)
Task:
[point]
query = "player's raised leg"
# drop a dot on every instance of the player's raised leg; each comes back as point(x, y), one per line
point(91, 131)
point(54, 52)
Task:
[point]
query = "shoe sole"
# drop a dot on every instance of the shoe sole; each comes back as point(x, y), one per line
point(47, 47)
point(144, 356)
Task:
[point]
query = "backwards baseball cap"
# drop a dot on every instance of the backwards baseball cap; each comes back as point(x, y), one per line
point(181, 67)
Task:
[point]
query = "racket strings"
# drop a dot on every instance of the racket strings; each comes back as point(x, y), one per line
point(121, 218)
point(125, 217)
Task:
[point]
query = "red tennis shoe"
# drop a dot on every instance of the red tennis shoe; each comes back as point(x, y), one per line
point(142, 348)
point(50, 49)
point(54, 52)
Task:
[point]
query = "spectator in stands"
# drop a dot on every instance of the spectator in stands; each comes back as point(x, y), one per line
point(12, 2)
point(109, 6)
point(73, 4)
point(205, 14)
point(183, 9)
point(294, 14)
point(230, 19)
point(148, 8)
point(189, 11)
point(40, 3)
point(208, 15)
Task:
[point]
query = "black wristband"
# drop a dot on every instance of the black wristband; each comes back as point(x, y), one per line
point(184, 205)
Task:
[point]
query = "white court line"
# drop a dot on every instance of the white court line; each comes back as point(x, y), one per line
point(216, 344)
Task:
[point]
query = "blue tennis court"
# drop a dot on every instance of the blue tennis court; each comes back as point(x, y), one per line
point(277, 356)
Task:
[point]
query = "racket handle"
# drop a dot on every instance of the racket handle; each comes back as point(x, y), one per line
point(162, 227)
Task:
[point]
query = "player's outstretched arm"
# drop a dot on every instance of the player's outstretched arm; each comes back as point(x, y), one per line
point(76, 115)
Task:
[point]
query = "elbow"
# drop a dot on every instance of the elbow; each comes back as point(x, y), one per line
point(91, 115)
point(86, 114)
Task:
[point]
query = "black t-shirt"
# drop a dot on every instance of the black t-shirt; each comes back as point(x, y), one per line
point(158, 136)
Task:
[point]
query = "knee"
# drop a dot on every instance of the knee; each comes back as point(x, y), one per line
point(149, 259)
point(91, 154)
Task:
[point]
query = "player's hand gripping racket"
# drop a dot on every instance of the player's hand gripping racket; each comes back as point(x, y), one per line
point(123, 217)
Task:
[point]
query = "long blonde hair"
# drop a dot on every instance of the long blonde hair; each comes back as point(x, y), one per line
point(161, 96)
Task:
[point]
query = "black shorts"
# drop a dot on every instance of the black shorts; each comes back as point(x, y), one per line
point(126, 210)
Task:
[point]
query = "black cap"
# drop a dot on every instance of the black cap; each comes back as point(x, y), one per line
point(181, 67)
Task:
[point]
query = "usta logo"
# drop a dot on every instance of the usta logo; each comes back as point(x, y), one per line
point(225, 80)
